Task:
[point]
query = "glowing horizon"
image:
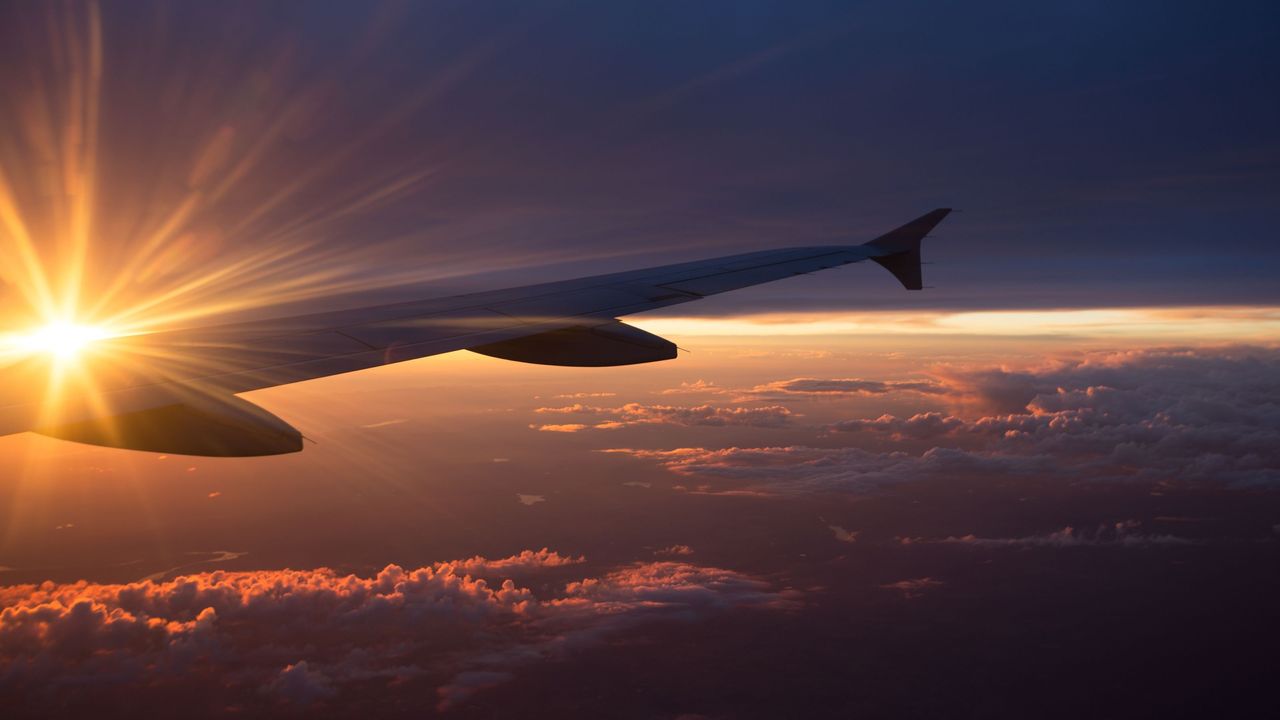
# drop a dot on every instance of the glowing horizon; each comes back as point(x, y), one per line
point(1206, 323)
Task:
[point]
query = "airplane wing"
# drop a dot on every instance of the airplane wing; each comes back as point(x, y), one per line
point(175, 391)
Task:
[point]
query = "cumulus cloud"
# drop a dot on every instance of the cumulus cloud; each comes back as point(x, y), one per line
point(1203, 415)
point(303, 637)
point(922, 426)
point(1193, 415)
point(1212, 379)
point(632, 414)
point(697, 386)
point(526, 560)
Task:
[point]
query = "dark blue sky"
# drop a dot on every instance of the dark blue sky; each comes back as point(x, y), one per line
point(1104, 153)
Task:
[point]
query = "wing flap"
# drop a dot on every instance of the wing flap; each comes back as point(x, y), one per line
point(607, 345)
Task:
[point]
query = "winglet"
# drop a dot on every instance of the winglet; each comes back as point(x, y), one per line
point(898, 251)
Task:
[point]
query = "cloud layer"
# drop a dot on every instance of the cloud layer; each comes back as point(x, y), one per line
point(1204, 415)
point(299, 637)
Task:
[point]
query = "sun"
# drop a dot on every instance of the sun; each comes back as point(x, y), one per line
point(63, 340)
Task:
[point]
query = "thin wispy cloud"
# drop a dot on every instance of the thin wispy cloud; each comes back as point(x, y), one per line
point(914, 587)
point(1126, 533)
point(844, 535)
point(385, 423)
point(637, 414)
point(835, 387)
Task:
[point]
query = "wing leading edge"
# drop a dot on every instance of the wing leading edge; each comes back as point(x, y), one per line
point(572, 322)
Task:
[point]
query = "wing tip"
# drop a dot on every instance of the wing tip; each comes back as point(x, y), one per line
point(907, 237)
point(899, 249)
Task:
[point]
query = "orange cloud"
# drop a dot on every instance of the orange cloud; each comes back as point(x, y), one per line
point(526, 560)
point(567, 428)
point(268, 638)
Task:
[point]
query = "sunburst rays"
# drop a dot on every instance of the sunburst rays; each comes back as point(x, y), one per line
point(218, 216)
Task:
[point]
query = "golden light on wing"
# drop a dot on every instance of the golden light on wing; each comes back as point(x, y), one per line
point(144, 190)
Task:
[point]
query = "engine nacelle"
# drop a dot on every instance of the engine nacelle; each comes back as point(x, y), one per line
point(215, 427)
point(604, 345)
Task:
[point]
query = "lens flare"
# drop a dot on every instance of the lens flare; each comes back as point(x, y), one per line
point(63, 340)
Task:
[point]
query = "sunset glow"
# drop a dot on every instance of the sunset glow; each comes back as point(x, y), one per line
point(329, 385)
point(1170, 323)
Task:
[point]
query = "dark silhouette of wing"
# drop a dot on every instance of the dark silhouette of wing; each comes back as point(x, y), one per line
point(571, 322)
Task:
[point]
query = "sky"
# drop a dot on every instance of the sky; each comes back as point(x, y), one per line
point(1047, 485)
